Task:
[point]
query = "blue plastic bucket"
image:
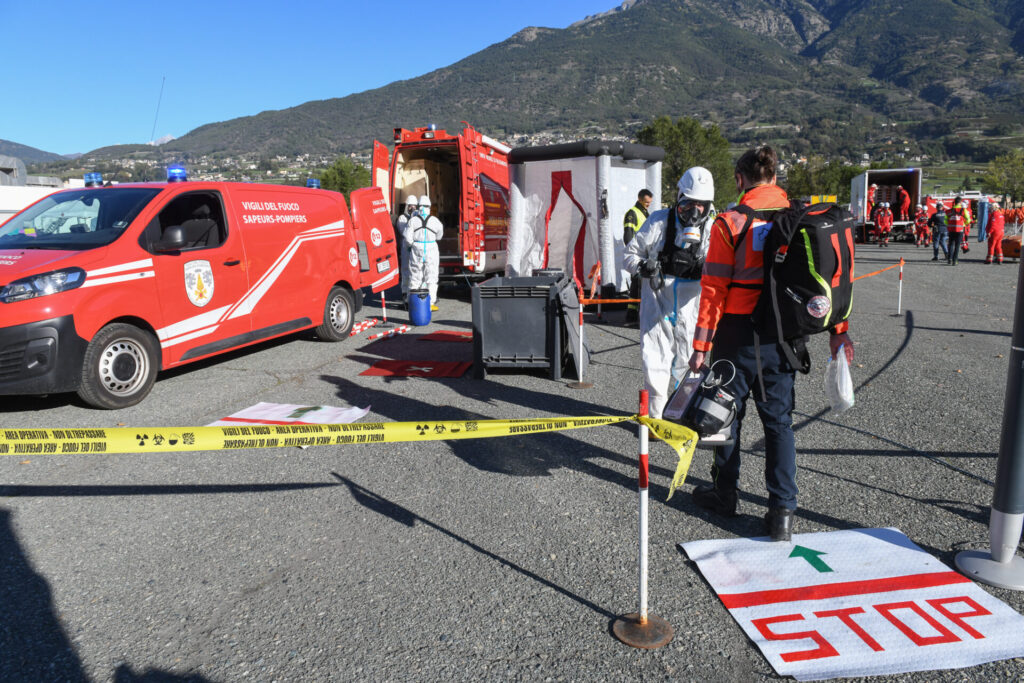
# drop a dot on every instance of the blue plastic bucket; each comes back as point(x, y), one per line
point(419, 307)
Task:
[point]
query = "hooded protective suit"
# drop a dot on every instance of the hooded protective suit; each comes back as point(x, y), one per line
point(422, 235)
point(411, 207)
point(668, 313)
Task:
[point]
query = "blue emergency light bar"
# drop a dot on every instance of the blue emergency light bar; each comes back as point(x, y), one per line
point(313, 182)
point(93, 179)
point(176, 174)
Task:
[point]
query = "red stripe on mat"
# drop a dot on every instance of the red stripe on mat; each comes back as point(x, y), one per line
point(839, 590)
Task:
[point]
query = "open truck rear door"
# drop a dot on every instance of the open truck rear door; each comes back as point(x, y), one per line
point(382, 171)
point(375, 240)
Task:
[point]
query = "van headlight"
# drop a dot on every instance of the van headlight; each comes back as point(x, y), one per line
point(42, 285)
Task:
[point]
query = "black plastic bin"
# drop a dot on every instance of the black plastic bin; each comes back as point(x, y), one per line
point(517, 323)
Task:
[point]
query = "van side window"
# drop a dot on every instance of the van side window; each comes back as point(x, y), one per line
point(200, 215)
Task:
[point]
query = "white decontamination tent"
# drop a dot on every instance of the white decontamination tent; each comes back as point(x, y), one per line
point(567, 204)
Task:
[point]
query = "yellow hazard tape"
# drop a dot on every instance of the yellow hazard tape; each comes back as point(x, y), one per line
point(187, 439)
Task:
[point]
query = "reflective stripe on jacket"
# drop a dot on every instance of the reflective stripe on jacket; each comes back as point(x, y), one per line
point(732, 280)
point(633, 221)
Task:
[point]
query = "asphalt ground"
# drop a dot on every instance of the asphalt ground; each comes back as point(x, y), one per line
point(500, 559)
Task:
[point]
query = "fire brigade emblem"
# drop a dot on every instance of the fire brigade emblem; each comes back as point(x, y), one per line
point(199, 282)
point(375, 237)
point(353, 257)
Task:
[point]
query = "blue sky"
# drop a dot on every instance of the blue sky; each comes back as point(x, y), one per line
point(78, 75)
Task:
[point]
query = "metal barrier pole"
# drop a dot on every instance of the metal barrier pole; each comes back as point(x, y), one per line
point(899, 297)
point(384, 311)
point(1002, 567)
point(579, 383)
point(641, 629)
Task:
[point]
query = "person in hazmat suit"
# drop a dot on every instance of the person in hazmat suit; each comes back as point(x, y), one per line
point(411, 208)
point(422, 235)
point(668, 254)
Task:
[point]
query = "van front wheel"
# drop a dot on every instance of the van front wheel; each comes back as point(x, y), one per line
point(120, 367)
point(338, 315)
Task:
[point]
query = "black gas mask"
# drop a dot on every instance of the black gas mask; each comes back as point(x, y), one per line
point(690, 212)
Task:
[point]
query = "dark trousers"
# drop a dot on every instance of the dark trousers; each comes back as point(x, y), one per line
point(955, 240)
point(734, 342)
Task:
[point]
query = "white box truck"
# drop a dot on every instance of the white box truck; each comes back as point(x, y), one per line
point(888, 181)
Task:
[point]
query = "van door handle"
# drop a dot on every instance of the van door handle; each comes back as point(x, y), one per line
point(232, 262)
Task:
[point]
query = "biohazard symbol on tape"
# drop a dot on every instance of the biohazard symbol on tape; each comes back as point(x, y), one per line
point(187, 439)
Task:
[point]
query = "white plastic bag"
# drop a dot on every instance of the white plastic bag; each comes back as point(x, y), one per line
point(839, 383)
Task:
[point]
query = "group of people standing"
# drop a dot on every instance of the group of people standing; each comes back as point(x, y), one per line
point(701, 277)
point(950, 229)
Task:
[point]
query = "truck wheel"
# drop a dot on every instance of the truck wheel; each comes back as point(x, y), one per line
point(338, 315)
point(120, 367)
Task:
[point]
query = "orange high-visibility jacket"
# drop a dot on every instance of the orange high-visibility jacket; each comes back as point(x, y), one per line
point(731, 282)
point(957, 219)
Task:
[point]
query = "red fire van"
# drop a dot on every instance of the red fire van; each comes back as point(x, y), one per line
point(102, 287)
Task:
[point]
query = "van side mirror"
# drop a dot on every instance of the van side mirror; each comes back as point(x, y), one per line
point(173, 239)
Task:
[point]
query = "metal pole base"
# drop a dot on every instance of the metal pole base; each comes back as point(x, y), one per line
point(650, 635)
point(580, 385)
point(979, 565)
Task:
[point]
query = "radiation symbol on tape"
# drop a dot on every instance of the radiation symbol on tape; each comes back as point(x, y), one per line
point(422, 429)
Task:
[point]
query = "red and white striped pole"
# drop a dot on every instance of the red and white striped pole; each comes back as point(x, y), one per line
point(641, 629)
point(899, 296)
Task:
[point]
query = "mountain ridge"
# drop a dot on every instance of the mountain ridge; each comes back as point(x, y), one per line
point(832, 71)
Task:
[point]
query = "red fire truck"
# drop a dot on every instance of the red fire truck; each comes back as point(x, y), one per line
point(466, 177)
point(101, 287)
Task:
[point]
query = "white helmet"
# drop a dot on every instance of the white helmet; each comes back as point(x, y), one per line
point(424, 201)
point(697, 184)
point(412, 200)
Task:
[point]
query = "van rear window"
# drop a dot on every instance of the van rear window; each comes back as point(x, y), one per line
point(76, 220)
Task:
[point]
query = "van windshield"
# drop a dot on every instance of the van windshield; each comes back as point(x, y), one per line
point(76, 220)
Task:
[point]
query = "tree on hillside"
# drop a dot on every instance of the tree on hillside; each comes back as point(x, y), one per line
point(1005, 175)
point(688, 143)
point(344, 176)
point(818, 176)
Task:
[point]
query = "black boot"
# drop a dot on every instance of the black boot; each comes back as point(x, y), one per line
point(720, 501)
point(780, 524)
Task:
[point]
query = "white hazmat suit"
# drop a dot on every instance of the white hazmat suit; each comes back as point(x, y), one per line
point(411, 206)
point(422, 235)
point(668, 313)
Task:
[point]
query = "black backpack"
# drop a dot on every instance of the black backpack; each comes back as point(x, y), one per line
point(808, 274)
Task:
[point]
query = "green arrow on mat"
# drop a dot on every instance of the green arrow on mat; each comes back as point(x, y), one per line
point(812, 558)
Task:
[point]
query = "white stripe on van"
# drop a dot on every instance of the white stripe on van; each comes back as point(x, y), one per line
point(192, 335)
point(248, 302)
point(192, 324)
point(384, 279)
point(96, 282)
point(134, 265)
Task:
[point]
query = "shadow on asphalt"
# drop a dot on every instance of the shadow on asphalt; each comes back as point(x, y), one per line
point(539, 455)
point(33, 642)
point(388, 508)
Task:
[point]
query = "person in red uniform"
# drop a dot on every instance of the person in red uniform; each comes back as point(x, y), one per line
point(730, 287)
point(904, 200)
point(884, 223)
point(921, 232)
point(871, 202)
point(996, 223)
point(956, 222)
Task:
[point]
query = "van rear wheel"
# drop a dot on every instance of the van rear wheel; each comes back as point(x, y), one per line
point(120, 367)
point(338, 315)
